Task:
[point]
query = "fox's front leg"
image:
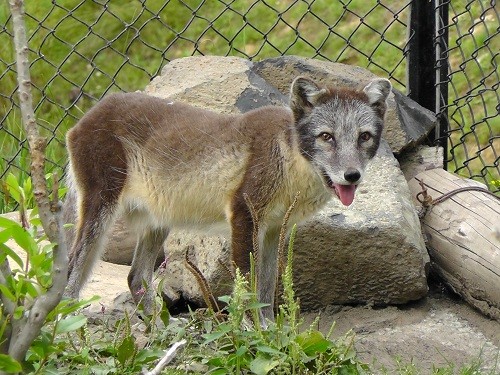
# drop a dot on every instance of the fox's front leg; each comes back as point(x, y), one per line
point(241, 236)
point(242, 228)
point(267, 270)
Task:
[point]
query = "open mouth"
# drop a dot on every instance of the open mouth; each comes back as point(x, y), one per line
point(344, 192)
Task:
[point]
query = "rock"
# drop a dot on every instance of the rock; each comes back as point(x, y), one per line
point(222, 84)
point(211, 256)
point(407, 123)
point(371, 252)
point(421, 158)
point(120, 246)
point(234, 85)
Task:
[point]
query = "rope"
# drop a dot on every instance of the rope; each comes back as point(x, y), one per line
point(427, 201)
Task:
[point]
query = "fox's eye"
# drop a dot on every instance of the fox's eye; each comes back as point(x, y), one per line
point(326, 136)
point(365, 136)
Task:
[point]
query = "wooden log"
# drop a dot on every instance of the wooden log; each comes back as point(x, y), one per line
point(463, 237)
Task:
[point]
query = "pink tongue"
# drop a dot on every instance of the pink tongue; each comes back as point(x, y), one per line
point(345, 193)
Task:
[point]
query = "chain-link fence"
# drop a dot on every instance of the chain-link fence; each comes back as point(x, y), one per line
point(83, 49)
point(471, 81)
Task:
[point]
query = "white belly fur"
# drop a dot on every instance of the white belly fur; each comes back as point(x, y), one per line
point(189, 197)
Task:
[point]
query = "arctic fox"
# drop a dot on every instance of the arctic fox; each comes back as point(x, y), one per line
point(164, 164)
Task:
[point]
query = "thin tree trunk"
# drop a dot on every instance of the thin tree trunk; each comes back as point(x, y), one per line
point(25, 330)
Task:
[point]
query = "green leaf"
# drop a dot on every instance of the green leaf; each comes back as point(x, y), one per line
point(70, 323)
point(241, 351)
point(126, 349)
point(225, 299)
point(256, 305)
point(27, 187)
point(268, 349)
point(6, 251)
point(24, 239)
point(7, 223)
point(14, 189)
point(7, 293)
point(148, 355)
point(32, 290)
point(9, 364)
point(219, 371)
point(262, 365)
point(313, 342)
point(5, 235)
point(35, 221)
point(68, 306)
point(165, 316)
point(221, 331)
point(18, 312)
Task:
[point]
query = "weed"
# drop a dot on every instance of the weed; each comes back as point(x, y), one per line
point(239, 345)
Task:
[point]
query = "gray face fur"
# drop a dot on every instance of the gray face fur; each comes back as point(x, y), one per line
point(339, 130)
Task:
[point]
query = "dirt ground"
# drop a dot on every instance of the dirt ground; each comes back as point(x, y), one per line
point(436, 331)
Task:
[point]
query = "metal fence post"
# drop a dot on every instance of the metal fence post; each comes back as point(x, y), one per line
point(428, 63)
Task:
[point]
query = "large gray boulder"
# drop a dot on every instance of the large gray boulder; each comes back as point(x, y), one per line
point(372, 251)
point(222, 84)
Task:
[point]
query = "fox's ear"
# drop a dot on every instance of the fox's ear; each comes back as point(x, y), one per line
point(304, 95)
point(377, 92)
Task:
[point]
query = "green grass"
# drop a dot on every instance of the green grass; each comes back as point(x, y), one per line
point(82, 45)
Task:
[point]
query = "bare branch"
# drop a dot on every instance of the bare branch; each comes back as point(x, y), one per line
point(50, 213)
point(167, 358)
point(36, 142)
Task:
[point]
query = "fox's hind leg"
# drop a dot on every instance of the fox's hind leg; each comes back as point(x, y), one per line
point(97, 175)
point(140, 278)
point(94, 220)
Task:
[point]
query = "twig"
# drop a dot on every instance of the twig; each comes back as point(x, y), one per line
point(255, 229)
point(9, 306)
point(281, 243)
point(206, 292)
point(226, 268)
point(167, 358)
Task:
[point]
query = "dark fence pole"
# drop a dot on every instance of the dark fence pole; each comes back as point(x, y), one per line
point(441, 132)
point(428, 63)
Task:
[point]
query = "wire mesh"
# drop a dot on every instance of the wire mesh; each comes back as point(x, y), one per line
point(83, 49)
point(472, 105)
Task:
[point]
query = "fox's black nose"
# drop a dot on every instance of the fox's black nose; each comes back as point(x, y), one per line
point(352, 175)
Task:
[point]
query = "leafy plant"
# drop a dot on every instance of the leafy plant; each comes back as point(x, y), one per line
point(29, 279)
point(239, 345)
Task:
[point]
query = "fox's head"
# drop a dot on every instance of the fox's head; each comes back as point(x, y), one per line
point(339, 130)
